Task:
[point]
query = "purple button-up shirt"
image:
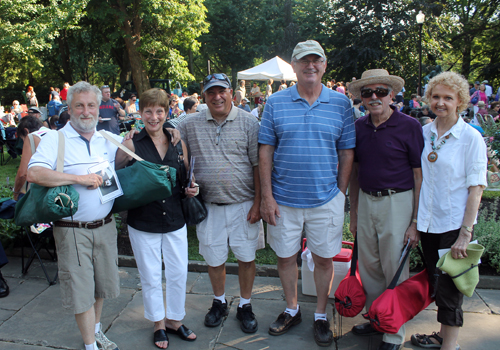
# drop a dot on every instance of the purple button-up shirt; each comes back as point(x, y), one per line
point(387, 154)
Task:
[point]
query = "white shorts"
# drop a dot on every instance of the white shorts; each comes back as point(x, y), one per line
point(228, 224)
point(322, 225)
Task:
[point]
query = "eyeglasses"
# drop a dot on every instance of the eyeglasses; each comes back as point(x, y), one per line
point(379, 92)
point(217, 139)
point(216, 76)
point(315, 62)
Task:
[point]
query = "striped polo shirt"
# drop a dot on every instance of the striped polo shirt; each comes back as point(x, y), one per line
point(306, 139)
point(225, 154)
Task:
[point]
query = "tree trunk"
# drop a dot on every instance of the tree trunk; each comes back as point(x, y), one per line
point(132, 39)
point(65, 57)
point(466, 57)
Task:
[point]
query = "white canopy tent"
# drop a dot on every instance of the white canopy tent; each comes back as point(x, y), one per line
point(275, 69)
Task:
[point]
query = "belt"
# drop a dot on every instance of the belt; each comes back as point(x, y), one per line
point(383, 193)
point(220, 204)
point(87, 225)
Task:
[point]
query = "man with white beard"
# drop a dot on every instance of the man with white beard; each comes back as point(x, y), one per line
point(86, 244)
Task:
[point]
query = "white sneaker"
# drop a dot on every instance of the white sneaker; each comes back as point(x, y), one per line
point(104, 343)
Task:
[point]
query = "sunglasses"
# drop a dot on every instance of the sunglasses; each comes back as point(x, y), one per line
point(216, 76)
point(379, 92)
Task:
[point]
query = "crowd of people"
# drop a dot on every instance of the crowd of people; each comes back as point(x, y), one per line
point(411, 178)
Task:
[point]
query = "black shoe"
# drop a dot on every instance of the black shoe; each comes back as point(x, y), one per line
point(322, 333)
point(4, 288)
point(389, 346)
point(215, 314)
point(284, 322)
point(365, 329)
point(248, 322)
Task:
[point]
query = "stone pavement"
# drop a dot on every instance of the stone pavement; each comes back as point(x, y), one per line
point(31, 317)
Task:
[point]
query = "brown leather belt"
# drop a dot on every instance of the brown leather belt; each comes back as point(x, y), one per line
point(88, 225)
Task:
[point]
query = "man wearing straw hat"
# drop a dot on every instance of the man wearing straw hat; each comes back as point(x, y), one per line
point(305, 160)
point(384, 189)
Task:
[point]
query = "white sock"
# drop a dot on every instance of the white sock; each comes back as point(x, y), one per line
point(244, 301)
point(320, 317)
point(292, 312)
point(91, 346)
point(222, 298)
point(97, 328)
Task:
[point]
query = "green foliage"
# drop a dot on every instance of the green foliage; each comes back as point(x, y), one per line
point(487, 232)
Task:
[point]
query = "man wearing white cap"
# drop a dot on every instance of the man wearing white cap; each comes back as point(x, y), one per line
point(489, 89)
point(384, 189)
point(305, 159)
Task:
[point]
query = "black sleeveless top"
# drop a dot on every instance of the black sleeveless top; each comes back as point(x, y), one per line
point(164, 215)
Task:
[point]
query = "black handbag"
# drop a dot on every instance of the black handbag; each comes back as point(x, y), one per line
point(193, 208)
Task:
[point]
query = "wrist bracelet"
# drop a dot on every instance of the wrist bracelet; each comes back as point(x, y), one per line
point(15, 192)
point(414, 221)
point(467, 228)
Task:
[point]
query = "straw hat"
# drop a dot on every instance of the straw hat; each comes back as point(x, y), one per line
point(464, 272)
point(481, 104)
point(376, 76)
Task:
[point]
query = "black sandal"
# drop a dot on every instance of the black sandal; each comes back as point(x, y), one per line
point(425, 341)
point(159, 336)
point(183, 332)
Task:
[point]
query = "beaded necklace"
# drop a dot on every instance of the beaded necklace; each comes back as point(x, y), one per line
point(432, 157)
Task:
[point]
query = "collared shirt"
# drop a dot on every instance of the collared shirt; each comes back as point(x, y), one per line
point(461, 163)
point(164, 215)
point(79, 156)
point(387, 154)
point(225, 154)
point(107, 110)
point(306, 140)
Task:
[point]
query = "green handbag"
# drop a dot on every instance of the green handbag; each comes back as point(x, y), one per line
point(47, 204)
point(143, 182)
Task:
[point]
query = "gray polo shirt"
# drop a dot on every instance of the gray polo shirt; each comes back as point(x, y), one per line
point(225, 154)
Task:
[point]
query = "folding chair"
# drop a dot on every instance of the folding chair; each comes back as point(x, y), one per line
point(39, 241)
point(7, 140)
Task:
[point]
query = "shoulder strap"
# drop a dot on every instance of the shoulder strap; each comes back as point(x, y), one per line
point(60, 153)
point(120, 146)
point(182, 166)
point(32, 144)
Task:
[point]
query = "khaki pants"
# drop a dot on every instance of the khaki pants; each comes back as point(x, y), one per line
point(382, 223)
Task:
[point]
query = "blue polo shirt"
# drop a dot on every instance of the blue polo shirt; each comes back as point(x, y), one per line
point(306, 139)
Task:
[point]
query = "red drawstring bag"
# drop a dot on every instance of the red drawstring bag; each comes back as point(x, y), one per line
point(399, 304)
point(350, 297)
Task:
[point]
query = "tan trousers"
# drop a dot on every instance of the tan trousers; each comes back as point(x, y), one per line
point(382, 223)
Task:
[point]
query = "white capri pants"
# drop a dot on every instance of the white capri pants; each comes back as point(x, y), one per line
point(148, 250)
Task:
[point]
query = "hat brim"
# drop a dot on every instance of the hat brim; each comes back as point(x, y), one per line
point(216, 83)
point(396, 83)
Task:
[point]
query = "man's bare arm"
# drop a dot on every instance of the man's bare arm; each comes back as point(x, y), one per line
point(346, 159)
point(51, 178)
point(269, 208)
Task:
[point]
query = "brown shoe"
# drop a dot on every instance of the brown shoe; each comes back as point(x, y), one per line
point(284, 322)
point(322, 333)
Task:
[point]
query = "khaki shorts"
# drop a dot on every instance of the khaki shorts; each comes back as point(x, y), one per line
point(228, 224)
point(93, 272)
point(322, 225)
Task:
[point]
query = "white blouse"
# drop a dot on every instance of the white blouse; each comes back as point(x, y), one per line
point(461, 163)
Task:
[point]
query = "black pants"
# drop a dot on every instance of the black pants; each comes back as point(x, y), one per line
point(448, 298)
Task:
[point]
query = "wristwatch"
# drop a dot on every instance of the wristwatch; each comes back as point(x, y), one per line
point(467, 228)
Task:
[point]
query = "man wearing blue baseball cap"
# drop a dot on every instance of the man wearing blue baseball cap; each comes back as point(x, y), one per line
point(223, 140)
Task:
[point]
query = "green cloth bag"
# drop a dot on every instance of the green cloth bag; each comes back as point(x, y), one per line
point(464, 272)
point(143, 182)
point(47, 204)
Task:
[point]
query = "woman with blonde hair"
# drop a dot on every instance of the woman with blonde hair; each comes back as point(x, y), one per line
point(454, 175)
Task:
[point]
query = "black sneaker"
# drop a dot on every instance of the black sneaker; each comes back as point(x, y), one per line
point(215, 314)
point(284, 322)
point(248, 322)
point(322, 333)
